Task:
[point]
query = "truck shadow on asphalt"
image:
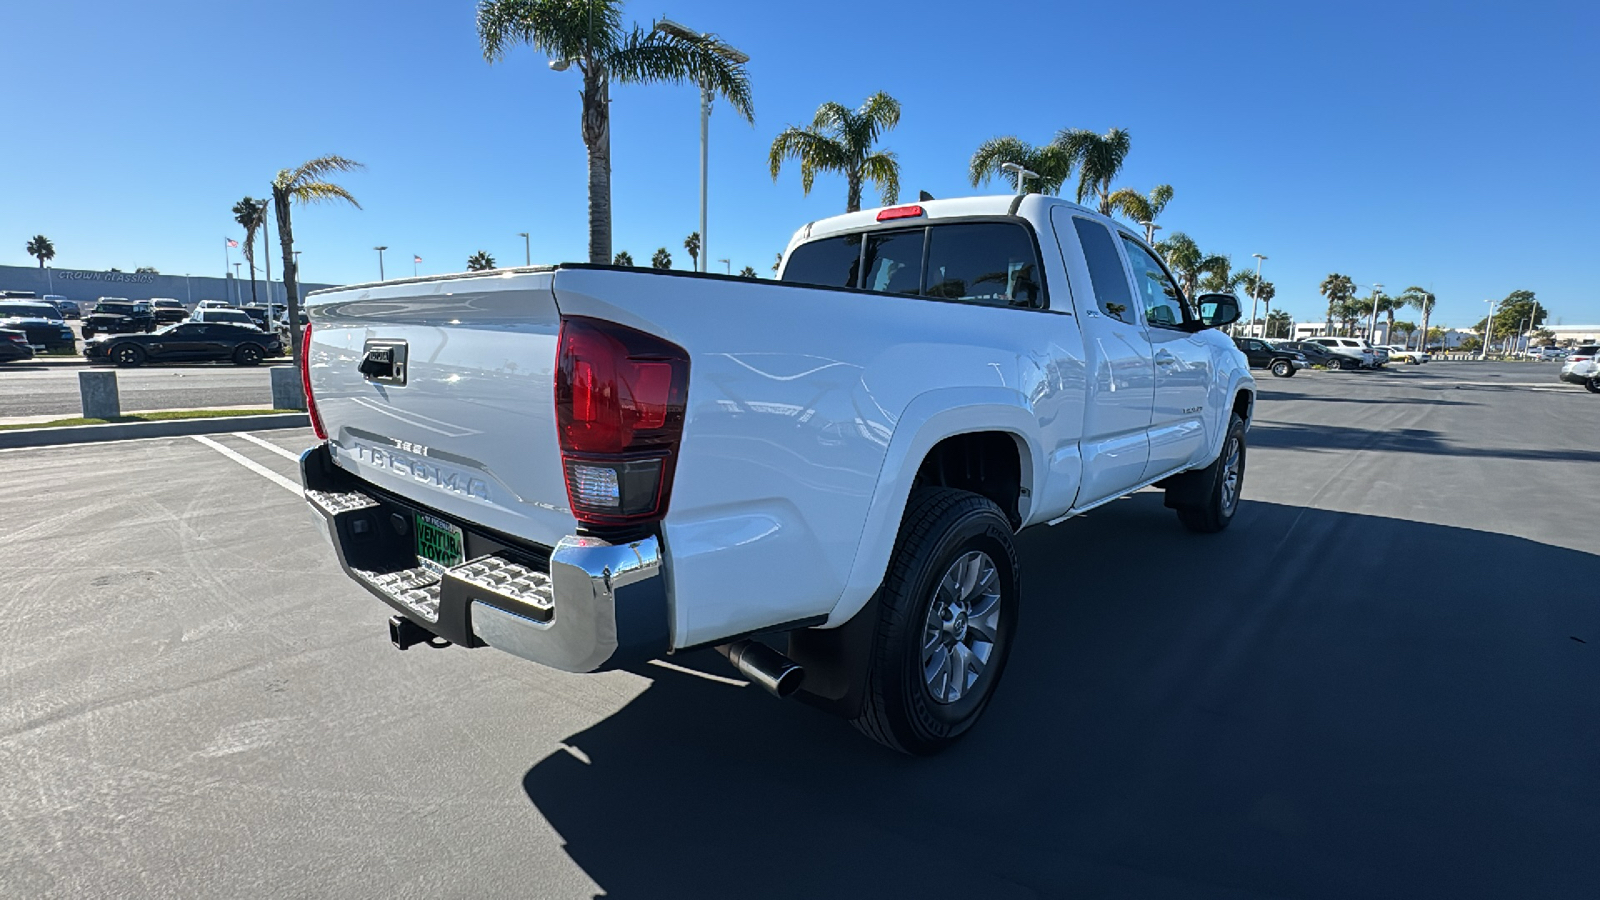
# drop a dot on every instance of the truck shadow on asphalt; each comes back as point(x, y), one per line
point(1248, 714)
point(1270, 392)
point(1344, 438)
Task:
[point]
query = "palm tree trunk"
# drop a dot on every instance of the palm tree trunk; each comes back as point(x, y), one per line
point(1423, 344)
point(852, 200)
point(597, 138)
point(291, 288)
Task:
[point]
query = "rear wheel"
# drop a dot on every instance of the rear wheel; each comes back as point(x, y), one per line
point(127, 355)
point(1210, 496)
point(1347, 364)
point(946, 615)
point(1593, 384)
point(1282, 369)
point(247, 355)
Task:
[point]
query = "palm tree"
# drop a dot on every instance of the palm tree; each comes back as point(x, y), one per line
point(1220, 278)
point(661, 260)
point(1338, 289)
point(1141, 209)
point(1279, 325)
point(480, 262)
point(305, 183)
point(777, 264)
point(692, 244)
point(623, 258)
point(1097, 157)
point(1183, 256)
point(1383, 303)
point(841, 140)
point(40, 246)
point(1048, 162)
point(748, 272)
point(590, 35)
point(250, 213)
point(1422, 301)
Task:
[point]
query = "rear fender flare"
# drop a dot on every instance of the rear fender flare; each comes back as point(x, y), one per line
point(928, 419)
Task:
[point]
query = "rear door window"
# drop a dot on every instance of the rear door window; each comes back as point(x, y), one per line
point(1110, 279)
point(832, 262)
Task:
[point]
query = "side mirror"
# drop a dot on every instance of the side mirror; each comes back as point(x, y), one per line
point(1218, 310)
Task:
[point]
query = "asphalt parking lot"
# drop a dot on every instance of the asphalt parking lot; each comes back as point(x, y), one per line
point(1380, 682)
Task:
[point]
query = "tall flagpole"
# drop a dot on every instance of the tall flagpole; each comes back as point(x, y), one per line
point(227, 263)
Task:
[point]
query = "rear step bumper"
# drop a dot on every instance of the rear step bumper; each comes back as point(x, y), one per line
point(583, 606)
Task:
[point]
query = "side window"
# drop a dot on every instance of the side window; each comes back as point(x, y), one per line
point(894, 262)
point(1105, 270)
point(833, 262)
point(992, 263)
point(1163, 302)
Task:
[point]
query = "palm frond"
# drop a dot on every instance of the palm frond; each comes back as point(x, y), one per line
point(882, 110)
point(562, 29)
point(1132, 204)
point(986, 160)
point(883, 170)
point(1159, 198)
point(816, 152)
point(314, 169)
point(321, 192)
point(656, 56)
point(831, 115)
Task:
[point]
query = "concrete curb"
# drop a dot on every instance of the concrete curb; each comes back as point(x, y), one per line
point(122, 431)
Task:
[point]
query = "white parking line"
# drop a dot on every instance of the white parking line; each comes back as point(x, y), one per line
point(286, 454)
point(252, 465)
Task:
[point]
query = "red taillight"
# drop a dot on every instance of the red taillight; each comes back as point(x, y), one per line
point(305, 383)
point(899, 212)
point(620, 396)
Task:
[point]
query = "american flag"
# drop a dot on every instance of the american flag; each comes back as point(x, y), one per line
point(416, 259)
point(232, 242)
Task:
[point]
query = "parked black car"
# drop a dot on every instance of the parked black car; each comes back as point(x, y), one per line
point(1316, 354)
point(69, 308)
point(186, 342)
point(40, 321)
point(113, 316)
point(1265, 355)
point(14, 346)
point(168, 311)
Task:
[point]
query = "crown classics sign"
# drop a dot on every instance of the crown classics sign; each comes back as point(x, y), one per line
point(123, 277)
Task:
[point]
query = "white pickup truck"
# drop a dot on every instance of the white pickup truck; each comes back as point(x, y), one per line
point(590, 466)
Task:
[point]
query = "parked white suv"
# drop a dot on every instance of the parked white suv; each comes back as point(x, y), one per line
point(1583, 367)
point(1401, 354)
point(588, 466)
point(1353, 353)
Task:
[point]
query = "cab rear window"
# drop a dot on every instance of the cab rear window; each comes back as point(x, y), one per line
point(988, 263)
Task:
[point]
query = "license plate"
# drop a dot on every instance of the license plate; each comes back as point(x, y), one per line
point(439, 543)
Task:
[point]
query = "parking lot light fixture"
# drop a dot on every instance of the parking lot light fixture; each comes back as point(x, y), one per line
point(713, 44)
point(527, 249)
point(1021, 174)
point(1255, 295)
point(1150, 229)
point(380, 261)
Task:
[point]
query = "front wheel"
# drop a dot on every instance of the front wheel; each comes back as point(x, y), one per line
point(1347, 364)
point(1282, 369)
point(946, 615)
point(247, 355)
point(1593, 384)
point(127, 355)
point(1206, 500)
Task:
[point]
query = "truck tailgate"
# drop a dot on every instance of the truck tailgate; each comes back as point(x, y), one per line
point(468, 426)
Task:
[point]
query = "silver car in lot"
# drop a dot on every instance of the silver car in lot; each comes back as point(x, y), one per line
point(1583, 367)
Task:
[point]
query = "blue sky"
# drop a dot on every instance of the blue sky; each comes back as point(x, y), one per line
point(1445, 145)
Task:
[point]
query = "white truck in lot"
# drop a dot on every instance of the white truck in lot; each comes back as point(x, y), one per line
point(590, 466)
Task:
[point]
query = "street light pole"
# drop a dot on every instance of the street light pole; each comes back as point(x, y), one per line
point(297, 267)
point(728, 265)
point(238, 299)
point(1022, 175)
point(1255, 292)
point(380, 261)
point(527, 249)
point(709, 43)
point(1372, 321)
point(1488, 331)
point(1150, 229)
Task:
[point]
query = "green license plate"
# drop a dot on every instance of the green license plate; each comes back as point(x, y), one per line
point(439, 544)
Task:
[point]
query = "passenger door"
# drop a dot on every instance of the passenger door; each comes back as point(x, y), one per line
point(1119, 367)
point(182, 342)
point(1183, 364)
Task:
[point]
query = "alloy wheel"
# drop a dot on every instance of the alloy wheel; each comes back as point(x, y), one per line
point(963, 623)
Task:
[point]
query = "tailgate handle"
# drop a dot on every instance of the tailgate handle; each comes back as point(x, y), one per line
point(384, 361)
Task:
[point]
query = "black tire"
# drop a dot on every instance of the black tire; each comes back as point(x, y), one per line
point(1282, 369)
point(1348, 364)
point(942, 528)
point(247, 355)
point(1213, 508)
point(87, 332)
point(127, 355)
point(1593, 384)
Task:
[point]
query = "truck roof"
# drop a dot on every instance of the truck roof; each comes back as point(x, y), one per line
point(956, 207)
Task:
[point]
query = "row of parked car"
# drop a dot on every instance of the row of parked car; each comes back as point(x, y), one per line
point(1284, 358)
point(132, 332)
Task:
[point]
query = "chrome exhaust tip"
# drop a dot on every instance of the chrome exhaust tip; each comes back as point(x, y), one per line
point(778, 674)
